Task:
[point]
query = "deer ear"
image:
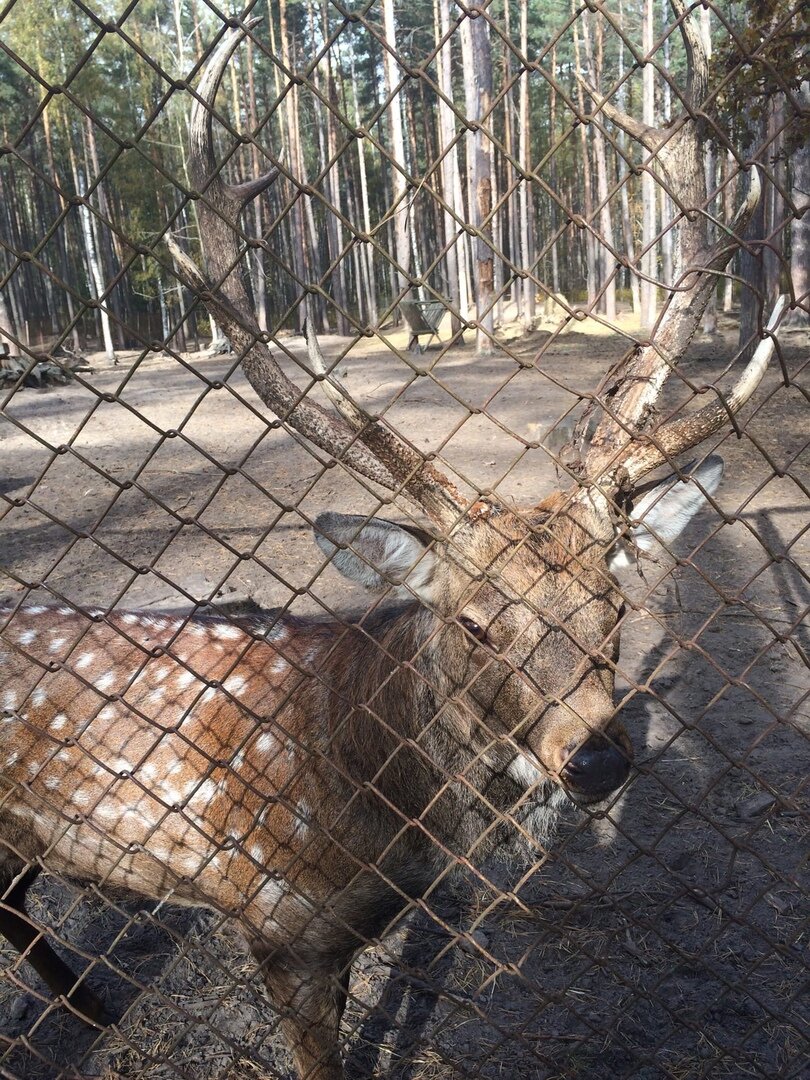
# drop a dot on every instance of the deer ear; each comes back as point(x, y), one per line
point(662, 512)
point(377, 554)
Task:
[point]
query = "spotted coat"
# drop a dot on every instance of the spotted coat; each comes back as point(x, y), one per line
point(151, 749)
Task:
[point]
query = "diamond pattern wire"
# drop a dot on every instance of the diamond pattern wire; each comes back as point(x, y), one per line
point(238, 791)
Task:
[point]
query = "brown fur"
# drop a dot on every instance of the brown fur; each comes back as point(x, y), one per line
point(307, 777)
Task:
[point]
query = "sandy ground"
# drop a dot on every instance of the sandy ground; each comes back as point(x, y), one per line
point(661, 940)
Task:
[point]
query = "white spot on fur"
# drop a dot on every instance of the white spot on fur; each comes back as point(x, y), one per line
point(256, 852)
point(265, 743)
point(105, 681)
point(207, 791)
point(57, 644)
point(301, 822)
point(27, 637)
point(131, 619)
point(234, 683)
point(160, 673)
point(120, 764)
point(9, 700)
point(39, 696)
point(187, 862)
point(59, 721)
point(185, 679)
point(38, 609)
point(270, 893)
point(147, 772)
point(280, 665)
point(209, 694)
point(225, 632)
point(85, 660)
point(12, 758)
point(170, 795)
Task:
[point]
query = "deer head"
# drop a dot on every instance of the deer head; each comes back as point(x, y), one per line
point(519, 609)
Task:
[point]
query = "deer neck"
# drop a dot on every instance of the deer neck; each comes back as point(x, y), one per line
point(391, 728)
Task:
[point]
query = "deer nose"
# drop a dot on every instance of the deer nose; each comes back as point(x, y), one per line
point(596, 769)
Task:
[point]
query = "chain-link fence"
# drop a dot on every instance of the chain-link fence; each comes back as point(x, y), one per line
point(319, 268)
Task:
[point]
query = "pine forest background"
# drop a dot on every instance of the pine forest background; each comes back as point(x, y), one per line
point(422, 154)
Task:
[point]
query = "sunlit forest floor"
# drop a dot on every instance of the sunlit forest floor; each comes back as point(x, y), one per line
point(659, 940)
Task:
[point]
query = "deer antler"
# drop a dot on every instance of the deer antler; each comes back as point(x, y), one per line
point(362, 441)
point(621, 451)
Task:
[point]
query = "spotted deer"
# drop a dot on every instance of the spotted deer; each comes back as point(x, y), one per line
point(312, 778)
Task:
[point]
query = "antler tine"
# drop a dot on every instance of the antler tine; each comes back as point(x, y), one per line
point(682, 434)
point(230, 199)
point(633, 397)
point(363, 443)
point(620, 451)
point(222, 289)
point(424, 483)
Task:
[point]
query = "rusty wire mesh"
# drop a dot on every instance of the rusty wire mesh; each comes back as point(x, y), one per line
point(659, 935)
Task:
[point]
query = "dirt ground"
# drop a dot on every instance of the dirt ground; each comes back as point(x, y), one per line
point(663, 939)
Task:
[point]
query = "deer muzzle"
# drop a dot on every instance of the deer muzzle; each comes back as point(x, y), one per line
point(596, 769)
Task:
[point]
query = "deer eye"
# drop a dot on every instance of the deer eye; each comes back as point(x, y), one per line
point(473, 628)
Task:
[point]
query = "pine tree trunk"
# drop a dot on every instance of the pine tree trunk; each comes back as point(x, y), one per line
point(61, 233)
point(512, 230)
point(397, 152)
point(591, 254)
point(729, 202)
point(455, 241)
point(627, 224)
point(257, 208)
point(529, 290)
point(710, 314)
point(649, 187)
point(334, 227)
point(800, 226)
point(95, 281)
point(367, 249)
point(7, 332)
point(752, 264)
point(101, 235)
point(555, 183)
point(773, 252)
point(300, 248)
point(477, 61)
point(607, 261)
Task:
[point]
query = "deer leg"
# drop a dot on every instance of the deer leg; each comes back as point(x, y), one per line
point(28, 940)
point(311, 1003)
